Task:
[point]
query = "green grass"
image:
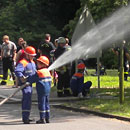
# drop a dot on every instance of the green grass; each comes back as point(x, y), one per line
point(110, 106)
point(106, 99)
point(111, 80)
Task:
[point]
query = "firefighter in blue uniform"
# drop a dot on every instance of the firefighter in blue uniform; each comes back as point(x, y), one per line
point(77, 85)
point(63, 85)
point(25, 68)
point(43, 85)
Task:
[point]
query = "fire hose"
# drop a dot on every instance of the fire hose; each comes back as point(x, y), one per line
point(13, 94)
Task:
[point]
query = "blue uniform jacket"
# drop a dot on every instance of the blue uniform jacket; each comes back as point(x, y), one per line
point(43, 81)
point(25, 68)
point(76, 82)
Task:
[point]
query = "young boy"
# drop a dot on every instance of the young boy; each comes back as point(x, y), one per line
point(43, 86)
point(77, 85)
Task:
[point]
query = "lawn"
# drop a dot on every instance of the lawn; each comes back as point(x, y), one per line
point(106, 99)
point(111, 80)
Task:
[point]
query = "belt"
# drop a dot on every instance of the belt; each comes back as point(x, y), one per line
point(7, 57)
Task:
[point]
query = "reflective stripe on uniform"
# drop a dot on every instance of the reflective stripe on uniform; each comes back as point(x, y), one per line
point(4, 80)
point(47, 110)
point(66, 88)
point(44, 111)
point(46, 80)
point(126, 73)
point(25, 110)
point(59, 90)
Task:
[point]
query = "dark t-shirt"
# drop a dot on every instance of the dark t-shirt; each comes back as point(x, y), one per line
point(59, 51)
point(18, 48)
point(46, 48)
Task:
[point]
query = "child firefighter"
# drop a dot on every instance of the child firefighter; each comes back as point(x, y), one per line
point(43, 86)
point(77, 85)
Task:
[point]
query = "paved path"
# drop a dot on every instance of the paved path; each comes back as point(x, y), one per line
point(10, 119)
point(6, 91)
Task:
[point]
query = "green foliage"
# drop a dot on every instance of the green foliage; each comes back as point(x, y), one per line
point(31, 19)
point(109, 59)
point(99, 9)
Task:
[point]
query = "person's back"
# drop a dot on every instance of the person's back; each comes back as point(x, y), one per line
point(77, 85)
point(44, 81)
point(59, 51)
point(43, 85)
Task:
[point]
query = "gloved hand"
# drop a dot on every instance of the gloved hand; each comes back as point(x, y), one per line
point(23, 79)
point(80, 95)
point(27, 84)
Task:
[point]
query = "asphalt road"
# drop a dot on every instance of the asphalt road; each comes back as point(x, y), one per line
point(10, 119)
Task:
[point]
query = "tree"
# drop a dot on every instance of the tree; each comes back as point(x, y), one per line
point(100, 9)
point(31, 19)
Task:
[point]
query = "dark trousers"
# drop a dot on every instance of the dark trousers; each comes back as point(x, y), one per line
point(63, 84)
point(85, 89)
point(8, 63)
point(126, 72)
point(26, 102)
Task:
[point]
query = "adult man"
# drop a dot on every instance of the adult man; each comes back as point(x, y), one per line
point(46, 46)
point(25, 68)
point(126, 59)
point(8, 55)
point(20, 41)
point(63, 86)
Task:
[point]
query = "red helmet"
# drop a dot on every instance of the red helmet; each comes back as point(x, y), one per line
point(30, 51)
point(81, 66)
point(44, 60)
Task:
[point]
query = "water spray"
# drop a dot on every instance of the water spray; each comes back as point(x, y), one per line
point(112, 30)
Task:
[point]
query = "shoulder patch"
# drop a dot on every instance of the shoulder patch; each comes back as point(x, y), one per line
point(24, 62)
point(32, 61)
point(78, 75)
